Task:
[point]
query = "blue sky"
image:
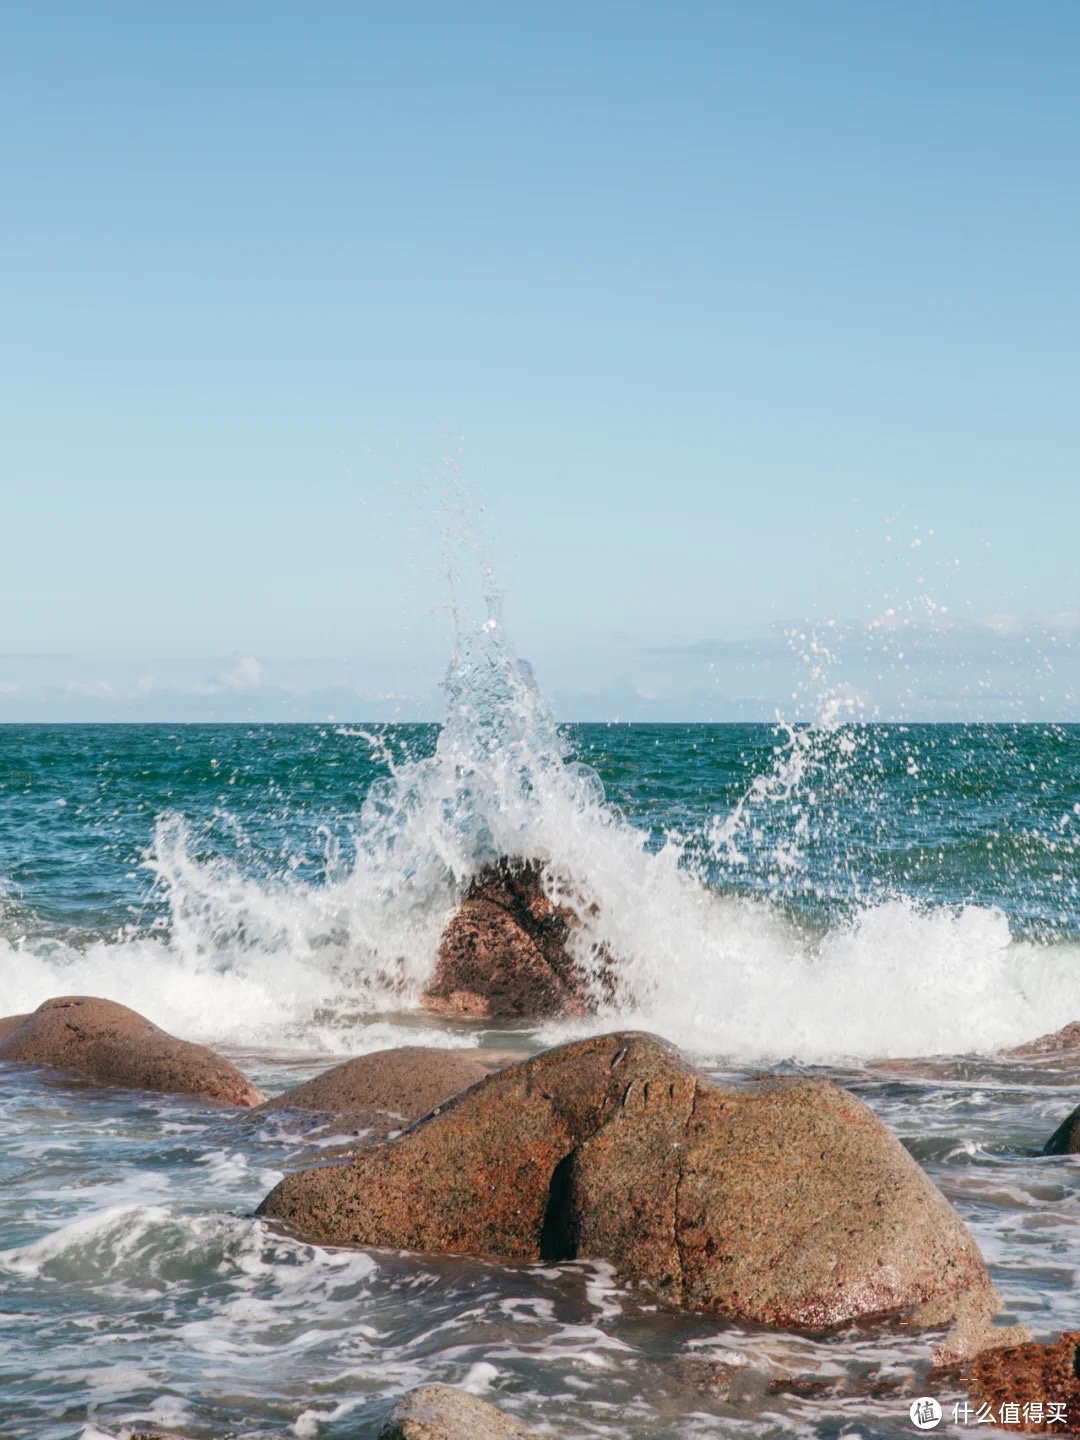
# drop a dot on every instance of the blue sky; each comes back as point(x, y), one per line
point(747, 332)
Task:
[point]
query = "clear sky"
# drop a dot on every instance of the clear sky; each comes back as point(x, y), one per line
point(734, 323)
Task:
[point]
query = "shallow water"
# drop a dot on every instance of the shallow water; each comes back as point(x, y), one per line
point(816, 900)
point(144, 1290)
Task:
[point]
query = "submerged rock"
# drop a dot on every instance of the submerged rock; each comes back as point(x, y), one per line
point(1033, 1378)
point(784, 1203)
point(441, 1412)
point(505, 953)
point(1066, 1138)
point(112, 1045)
point(407, 1082)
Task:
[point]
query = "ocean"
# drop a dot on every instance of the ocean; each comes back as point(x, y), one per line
point(892, 905)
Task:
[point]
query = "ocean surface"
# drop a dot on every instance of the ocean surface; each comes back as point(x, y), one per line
point(892, 905)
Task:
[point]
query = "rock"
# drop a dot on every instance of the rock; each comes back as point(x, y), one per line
point(1063, 1044)
point(1031, 1375)
point(112, 1045)
point(155, 1435)
point(10, 1023)
point(504, 954)
point(407, 1081)
point(1066, 1138)
point(441, 1412)
point(784, 1203)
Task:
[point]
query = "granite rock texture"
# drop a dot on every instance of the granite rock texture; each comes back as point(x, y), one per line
point(784, 1202)
point(408, 1081)
point(441, 1412)
point(505, 953)
point(111, 1045)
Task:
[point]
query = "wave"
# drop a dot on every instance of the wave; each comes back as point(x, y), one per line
point(288, 962)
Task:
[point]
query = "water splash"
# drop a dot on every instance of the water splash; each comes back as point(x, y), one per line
point(316, 961)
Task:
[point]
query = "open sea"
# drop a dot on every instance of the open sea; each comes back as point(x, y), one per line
point(892, 905)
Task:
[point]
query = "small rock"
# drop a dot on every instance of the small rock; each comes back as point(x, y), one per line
point(112, 1045)
point(441, 1412)
point(505, 953)
point(407, 1081)
point(784, 1203)
point(1029, 1376)
point(1066, 1138)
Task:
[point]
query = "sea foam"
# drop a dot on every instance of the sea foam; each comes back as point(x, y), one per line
point(339, 965)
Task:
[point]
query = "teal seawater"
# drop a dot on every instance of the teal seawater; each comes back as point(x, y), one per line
point(820, 820)
point(818, 899)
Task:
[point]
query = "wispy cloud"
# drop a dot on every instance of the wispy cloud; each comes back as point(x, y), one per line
point(762, 647)
point(245, 674)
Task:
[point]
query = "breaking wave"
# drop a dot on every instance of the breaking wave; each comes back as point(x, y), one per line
point(323, 964)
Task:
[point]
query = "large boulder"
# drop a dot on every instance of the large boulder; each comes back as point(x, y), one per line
point(441, 1412)
point(112, 1045)
point(1041, 1381)
point(10, 1023)
point(783, 1202)
point(1066, 1138)
point(505, 953)
point(407, 1082)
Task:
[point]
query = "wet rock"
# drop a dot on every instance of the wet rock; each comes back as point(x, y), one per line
point(155, 1435)
point(504, 954)
point(10, 1023)
point(441, 1412)
point(112, 1045)
point(1063, 1044)
point(1033, 1378)
point(784, 1202)
point(1066, 1138)
point(406, 1082)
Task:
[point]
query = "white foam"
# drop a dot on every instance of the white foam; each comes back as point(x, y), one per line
point(290, 963)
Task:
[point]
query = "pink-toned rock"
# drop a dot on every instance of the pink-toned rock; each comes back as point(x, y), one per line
point(505, 955)
point(785, 1203)
point(1032, 1378)
point(10, 1023)
point(407, 1082)
point(1061, 1045)
point(112, 1045)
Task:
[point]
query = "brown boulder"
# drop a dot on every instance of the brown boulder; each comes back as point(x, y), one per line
point(504, 954)
point(1066, 1138)
point(1063, 1044)
point(112, 1045)
point(441, 1412)
point(10, 1023)
point(407, 1081)
point(1033, 1378)
point(785, 1202)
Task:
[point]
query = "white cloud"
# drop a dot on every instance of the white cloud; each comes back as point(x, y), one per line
point(92, 689)
point(245, 674)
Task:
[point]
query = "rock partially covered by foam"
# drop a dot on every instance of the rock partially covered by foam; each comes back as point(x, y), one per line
point(1061, 1045)
point(506, 954)
point(112, 1045)
point(1041, 1381)
point(441, 1412)
point(407, 1082)
point(785, 1203)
